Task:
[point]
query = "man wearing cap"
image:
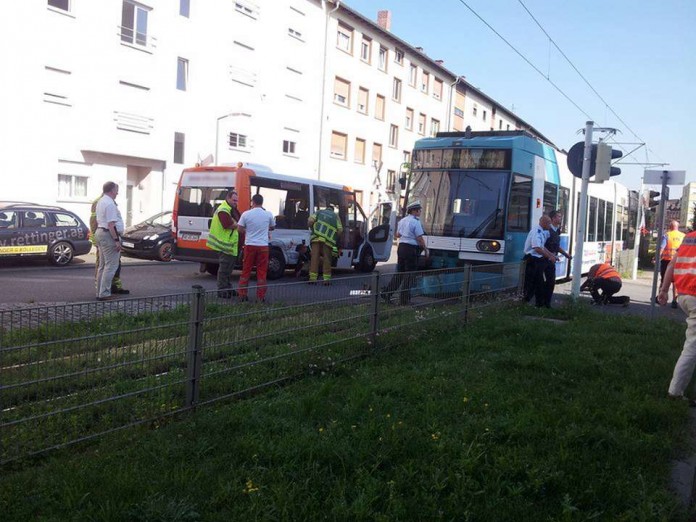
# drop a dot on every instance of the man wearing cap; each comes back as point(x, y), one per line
point(411, 242)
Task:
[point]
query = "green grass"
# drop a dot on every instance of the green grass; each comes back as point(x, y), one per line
point(509, 419)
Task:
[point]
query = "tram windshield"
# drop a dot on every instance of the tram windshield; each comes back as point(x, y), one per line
point(459, 203)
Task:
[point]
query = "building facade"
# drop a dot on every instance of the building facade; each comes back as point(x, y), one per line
point(133, 92)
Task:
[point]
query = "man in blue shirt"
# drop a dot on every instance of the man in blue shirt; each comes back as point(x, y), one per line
point(411, 242)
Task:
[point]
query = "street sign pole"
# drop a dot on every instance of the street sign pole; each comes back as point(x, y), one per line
point(582, 218)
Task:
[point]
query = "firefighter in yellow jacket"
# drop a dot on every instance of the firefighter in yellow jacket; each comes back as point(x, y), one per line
point(326, 229)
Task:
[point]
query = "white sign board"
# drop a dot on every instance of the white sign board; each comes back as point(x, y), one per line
point(674, 177)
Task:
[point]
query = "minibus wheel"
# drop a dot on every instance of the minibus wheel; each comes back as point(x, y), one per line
point(367, 261)
point(276, 264)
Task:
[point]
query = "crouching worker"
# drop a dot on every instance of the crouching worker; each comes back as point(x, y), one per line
point(604, 277)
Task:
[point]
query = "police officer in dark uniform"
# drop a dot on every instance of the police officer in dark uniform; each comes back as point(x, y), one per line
point(553, 245)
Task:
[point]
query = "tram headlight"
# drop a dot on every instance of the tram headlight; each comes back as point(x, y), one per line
point(487, 245)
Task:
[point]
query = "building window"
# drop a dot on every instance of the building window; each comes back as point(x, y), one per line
point(377, 155)
point(399, 56)
point(185, 7)
point(437, 89)
point(475, 110)
point(413, 76)
point(70, 186)
point(391, 181)
point(409, 118)
point(246, 8)
point(289, 147)
point(238, 141)
point(379, 107)
point(485, 115)
point(393, 136)
point(366, 49)
point(396, 90)
point(500, 125)
point(363, 97)
point(359, 156)
point(295, 33)
point(407, 156)
point(179, 139)
point(344, 38)
point(425, 82)
point(63, 5)
point(458, 112)
point(342, 92)
point(434, 126)
point(421, 123)
point(182, 74)
point(134, 24)
point(339, 142)
point(508, 127)
point(383, 55)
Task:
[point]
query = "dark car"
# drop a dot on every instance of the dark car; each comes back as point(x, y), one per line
point(32, 230)
point(151, 239)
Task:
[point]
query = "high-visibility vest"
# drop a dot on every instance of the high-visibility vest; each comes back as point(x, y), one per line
point(606, 271)
point(222, 239)
point(685, 266)
point(93, 220)
point(674, 241)
point(325, 228)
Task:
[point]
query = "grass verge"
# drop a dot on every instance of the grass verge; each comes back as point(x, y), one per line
point(512, 418)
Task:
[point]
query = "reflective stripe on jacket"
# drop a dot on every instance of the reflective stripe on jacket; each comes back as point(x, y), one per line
point(685, 266)
point(326, 227)
point(606, 271)
point(220, 238)
point(93, 220)
point(674, 241)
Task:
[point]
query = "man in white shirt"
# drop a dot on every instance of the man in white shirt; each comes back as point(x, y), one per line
point(537, 258)
point(108, 236)
point(257, 223)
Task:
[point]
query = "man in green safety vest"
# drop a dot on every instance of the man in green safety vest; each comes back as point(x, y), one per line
point(224, 238)
point(116, 283)
point(326, 229)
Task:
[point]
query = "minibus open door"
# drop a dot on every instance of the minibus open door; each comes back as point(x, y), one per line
point(382, 224)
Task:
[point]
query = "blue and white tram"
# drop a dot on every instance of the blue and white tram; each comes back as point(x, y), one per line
point(482, 191)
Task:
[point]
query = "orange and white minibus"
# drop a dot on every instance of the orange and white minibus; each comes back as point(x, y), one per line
point(292, 200)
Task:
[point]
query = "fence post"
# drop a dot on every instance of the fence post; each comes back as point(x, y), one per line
point(194, 353)
point(523, 275)
point(374, 312)
point(466, 287)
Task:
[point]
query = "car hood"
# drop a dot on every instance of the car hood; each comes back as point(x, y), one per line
point(142, 230)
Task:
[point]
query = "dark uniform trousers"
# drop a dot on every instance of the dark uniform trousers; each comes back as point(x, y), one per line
point(534, 284)
point(407, 261)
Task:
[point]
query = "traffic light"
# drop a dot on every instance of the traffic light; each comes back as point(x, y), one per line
point(654, 200)
point(601, 161)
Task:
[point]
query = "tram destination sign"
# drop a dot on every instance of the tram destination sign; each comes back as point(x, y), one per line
point(460, 159)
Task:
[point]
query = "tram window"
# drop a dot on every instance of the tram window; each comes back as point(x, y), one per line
point(600, 221)
point(550, 197)
point(592, 220)
point(609, 221)
point(564, 206)
point(520, 204)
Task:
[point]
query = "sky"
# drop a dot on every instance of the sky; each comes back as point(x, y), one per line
point(638, 55)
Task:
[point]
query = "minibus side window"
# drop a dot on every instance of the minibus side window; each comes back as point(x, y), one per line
point(288, 201)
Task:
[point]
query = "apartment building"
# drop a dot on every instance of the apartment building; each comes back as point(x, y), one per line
point(134, 91)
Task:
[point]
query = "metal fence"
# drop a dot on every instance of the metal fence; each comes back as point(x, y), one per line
point(77, 371)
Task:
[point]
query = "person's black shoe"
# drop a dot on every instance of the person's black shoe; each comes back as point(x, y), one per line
point(227, 294)
point(121, 291)
point(674, 304)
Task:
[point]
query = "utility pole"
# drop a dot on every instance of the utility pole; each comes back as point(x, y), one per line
point(582, 218)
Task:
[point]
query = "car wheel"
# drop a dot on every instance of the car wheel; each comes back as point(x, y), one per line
point(367, 261)
point(61, 253)
point(164, 252)
point(276, 264)
point(212, 268)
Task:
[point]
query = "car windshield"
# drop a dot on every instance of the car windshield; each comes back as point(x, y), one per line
point(163, 218)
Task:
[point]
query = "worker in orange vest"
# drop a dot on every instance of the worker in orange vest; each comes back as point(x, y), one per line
point(682, 272)
point(670, 244)
point(604, 277)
